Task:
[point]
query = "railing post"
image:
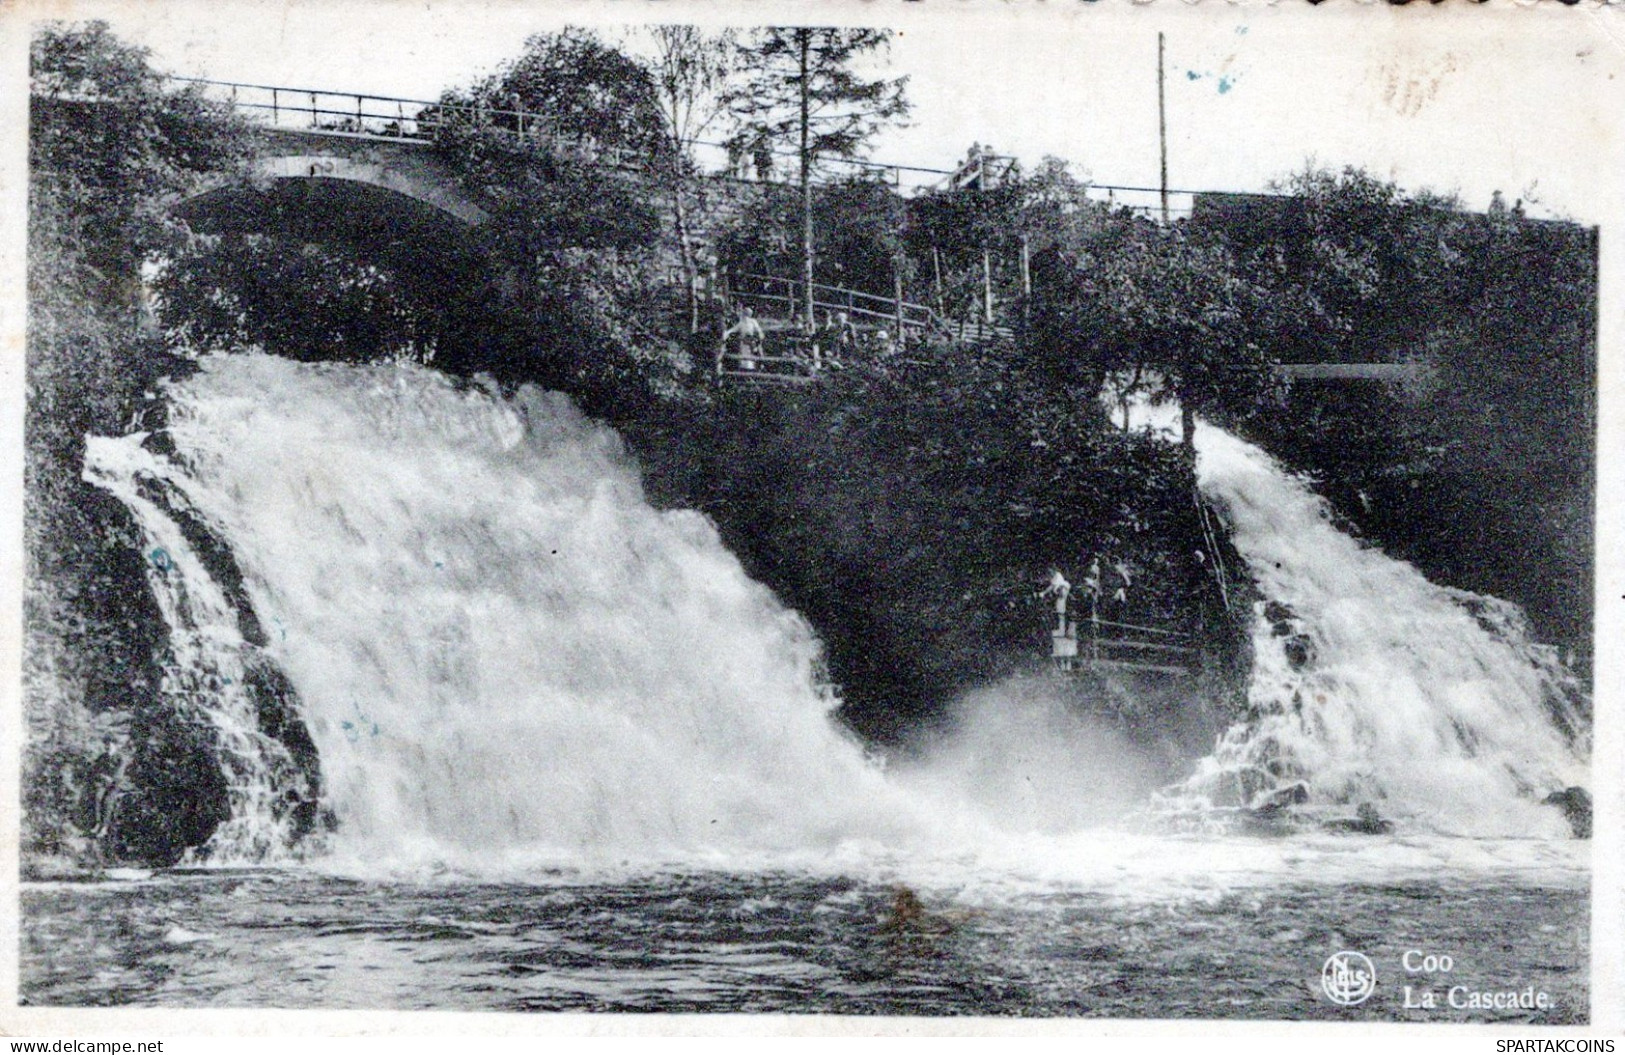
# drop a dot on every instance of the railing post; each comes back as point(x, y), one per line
point(722, 343)
point(987, 284)
point(897, 294)
point(276, 113)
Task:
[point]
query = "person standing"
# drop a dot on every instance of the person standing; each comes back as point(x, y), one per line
point(1061, 590)
point(750, 334)
point(845, 338)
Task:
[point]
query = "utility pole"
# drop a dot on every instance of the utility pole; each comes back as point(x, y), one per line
point(1162, 129)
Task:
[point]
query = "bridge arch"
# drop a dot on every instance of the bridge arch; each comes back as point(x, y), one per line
point(423, 183)
point(395, 203)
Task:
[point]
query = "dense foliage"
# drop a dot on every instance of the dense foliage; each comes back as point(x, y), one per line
point(110, 144)
point(913, 510)
point(1481, 469)
point(857, 225)
point(231, 290)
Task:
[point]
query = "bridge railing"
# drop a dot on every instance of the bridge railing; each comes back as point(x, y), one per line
point(321, 110)
point(393, 117)
point(783, 165)
point(340, 113)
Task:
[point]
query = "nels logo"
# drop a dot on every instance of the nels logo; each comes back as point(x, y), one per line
point(1348, 978)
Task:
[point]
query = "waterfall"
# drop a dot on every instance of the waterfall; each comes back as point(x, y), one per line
point(497, 644)
point(460, 603)
point(209, 674)
point(1372, 684)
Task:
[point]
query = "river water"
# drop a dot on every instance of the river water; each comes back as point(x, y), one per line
point(573, 758)
point(800, 943)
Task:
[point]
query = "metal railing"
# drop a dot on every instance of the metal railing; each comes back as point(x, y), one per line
point(784, 169)
point(341, 113)
point(322, 111)
point(344, 113)
point(772, 369)
point(1115, 646)
point(788, 294)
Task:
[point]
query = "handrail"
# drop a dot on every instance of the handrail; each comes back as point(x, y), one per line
point(855, 162)
point(801, 359)
point(301, 91)
point(312, 108)
point(920, 316)
point(1147, 629)
point(1149, 646)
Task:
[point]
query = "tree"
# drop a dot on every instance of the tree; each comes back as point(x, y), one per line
point(546, 158)
point(575, 88)
point(1479, 471)
point(297, 299)
point(958, 231)
point(802, 89)
point(110, 145)
point(974, 242)
point(690, 69)
point(551, 119)
point(561, 165)
point(1169, 308)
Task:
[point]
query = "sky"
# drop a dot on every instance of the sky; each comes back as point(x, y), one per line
point(1465, 100)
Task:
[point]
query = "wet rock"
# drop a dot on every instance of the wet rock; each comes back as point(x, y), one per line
point(1575, 802)
point(1281, 618)
point(1295, 794)
point(909, 916)
point(1366, 821)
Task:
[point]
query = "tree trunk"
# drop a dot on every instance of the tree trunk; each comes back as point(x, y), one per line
point(804, 39)
point(1187, 428)
point(987, 285)
point(897, 292)
point(691, 272)
point(936, 269)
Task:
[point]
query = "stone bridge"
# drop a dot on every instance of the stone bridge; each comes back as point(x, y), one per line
point(393, 200)
point(362, 171)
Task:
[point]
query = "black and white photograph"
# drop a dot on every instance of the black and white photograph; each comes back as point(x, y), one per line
point(856, 513)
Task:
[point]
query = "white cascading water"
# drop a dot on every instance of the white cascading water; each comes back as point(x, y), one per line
point(505, 655)
point(205, 674)
point(498, 645)
point(1372, 684)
